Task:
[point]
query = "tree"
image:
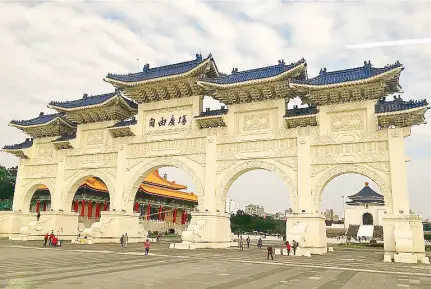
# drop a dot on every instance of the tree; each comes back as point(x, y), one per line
point(7, 182)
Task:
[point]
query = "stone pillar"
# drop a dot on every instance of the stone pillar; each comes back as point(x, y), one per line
point(117, 197)
point(19, 194)
point(56, 196)
point(208, 204)
point(307, 224)
point(403, 232)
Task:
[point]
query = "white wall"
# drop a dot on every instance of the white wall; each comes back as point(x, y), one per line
point(353, 214)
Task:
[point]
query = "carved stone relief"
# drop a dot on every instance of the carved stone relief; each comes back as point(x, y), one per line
point(95, 138)
point(168, 147)
point(349, 153)
point(41, 171)
point(347, 122)
point(346, 106)
point(91, 161)
point(256, 121)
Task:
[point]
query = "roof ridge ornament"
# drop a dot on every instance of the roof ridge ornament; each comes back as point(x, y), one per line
point(41, 113)
point(85, 95)
point(146, 67)
point(322, 71)
point(234, 70)
point(198, 57)
point(281, 62)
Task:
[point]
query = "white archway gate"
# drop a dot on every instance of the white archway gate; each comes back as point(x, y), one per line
point(346, 130)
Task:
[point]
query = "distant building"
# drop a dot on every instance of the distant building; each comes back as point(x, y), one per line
point(232, 206)
point(254, 210)
point(330, 215)
point(365, 208)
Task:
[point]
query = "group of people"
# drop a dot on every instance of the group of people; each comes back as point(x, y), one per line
point(270, 249)
point(124, 239)
point(52, 240)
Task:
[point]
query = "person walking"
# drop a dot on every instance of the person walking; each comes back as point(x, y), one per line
point(288, 247)
point(270, 252)
point(147, 246)
point(122, 241)
point(259, 243)
point(45, 239)
point(38, 216)
point(241, 244)
point(295, 246)
point(248, 241)
point(126, 240)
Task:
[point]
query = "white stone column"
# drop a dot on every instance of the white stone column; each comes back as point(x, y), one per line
point(209, 199)
point(397, 160)
point(18, 196)
point(117, 197)
point(305, 200)
point(56, 196)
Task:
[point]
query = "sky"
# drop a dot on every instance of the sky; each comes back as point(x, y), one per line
point(58, 50)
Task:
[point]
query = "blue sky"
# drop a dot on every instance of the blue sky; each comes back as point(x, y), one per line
point(60, 50)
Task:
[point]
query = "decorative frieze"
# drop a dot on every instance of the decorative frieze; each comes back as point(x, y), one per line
point(91, 161)
point(167, 147)
point(349, 153)
point(347, 122)
point(95, 138)
point(40, 171)
point(257, 149)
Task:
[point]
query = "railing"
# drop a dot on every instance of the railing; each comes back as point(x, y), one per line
point(209, 112)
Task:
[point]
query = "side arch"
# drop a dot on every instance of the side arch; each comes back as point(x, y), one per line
point(145, 168)
point(78, 179)
point(246, 166)
point(30, 189)
point(351, 169)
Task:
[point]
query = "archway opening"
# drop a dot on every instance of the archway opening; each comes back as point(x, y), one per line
point(258, 201)
point(90, 199)
point(40, 200)
point(367, 219)
point(165, 199)
point(349, 202)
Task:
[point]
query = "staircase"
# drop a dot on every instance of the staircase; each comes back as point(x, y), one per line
point(366, 231)
point(378, 233)
point(352, 231)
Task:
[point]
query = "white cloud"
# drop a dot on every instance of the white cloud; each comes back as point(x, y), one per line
point(59, 50)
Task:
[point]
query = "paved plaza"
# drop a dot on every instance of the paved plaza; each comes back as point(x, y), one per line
point(29, 265)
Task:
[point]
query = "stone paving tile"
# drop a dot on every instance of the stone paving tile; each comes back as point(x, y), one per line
point(103, 266)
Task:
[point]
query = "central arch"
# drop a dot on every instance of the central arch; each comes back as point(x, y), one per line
point(246, 166)
point(351, 169)
point(78, 179)
point(145, 168)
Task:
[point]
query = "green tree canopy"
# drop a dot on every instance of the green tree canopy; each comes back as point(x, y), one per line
point(7, 182)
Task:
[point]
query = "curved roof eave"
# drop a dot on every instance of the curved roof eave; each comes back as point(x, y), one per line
point(397, 70)
point(211, 85)
point(164, 78)
point(68, 109)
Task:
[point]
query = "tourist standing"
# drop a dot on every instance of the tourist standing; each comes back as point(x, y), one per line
point(126, 240)
point(270, 253)
point(122, 241)
point(45, 239)
point(288, 247)
point(248, 241)
point(241, 244)
point(38, 216)
point(51, 236)
point(259, 243)
point(295, 246)
point(158, 237)
point(147, 247)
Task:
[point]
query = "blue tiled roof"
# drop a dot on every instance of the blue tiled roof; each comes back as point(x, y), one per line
point(26, 144)
point(215, 112)
point(126, 122)
point(366, 193)
point(398, 104)
point(253, 74)
point(65, 137)
point(353, 74)
point(41, 119)
point(92, 100)
point(161, 71)
point(302, 111)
